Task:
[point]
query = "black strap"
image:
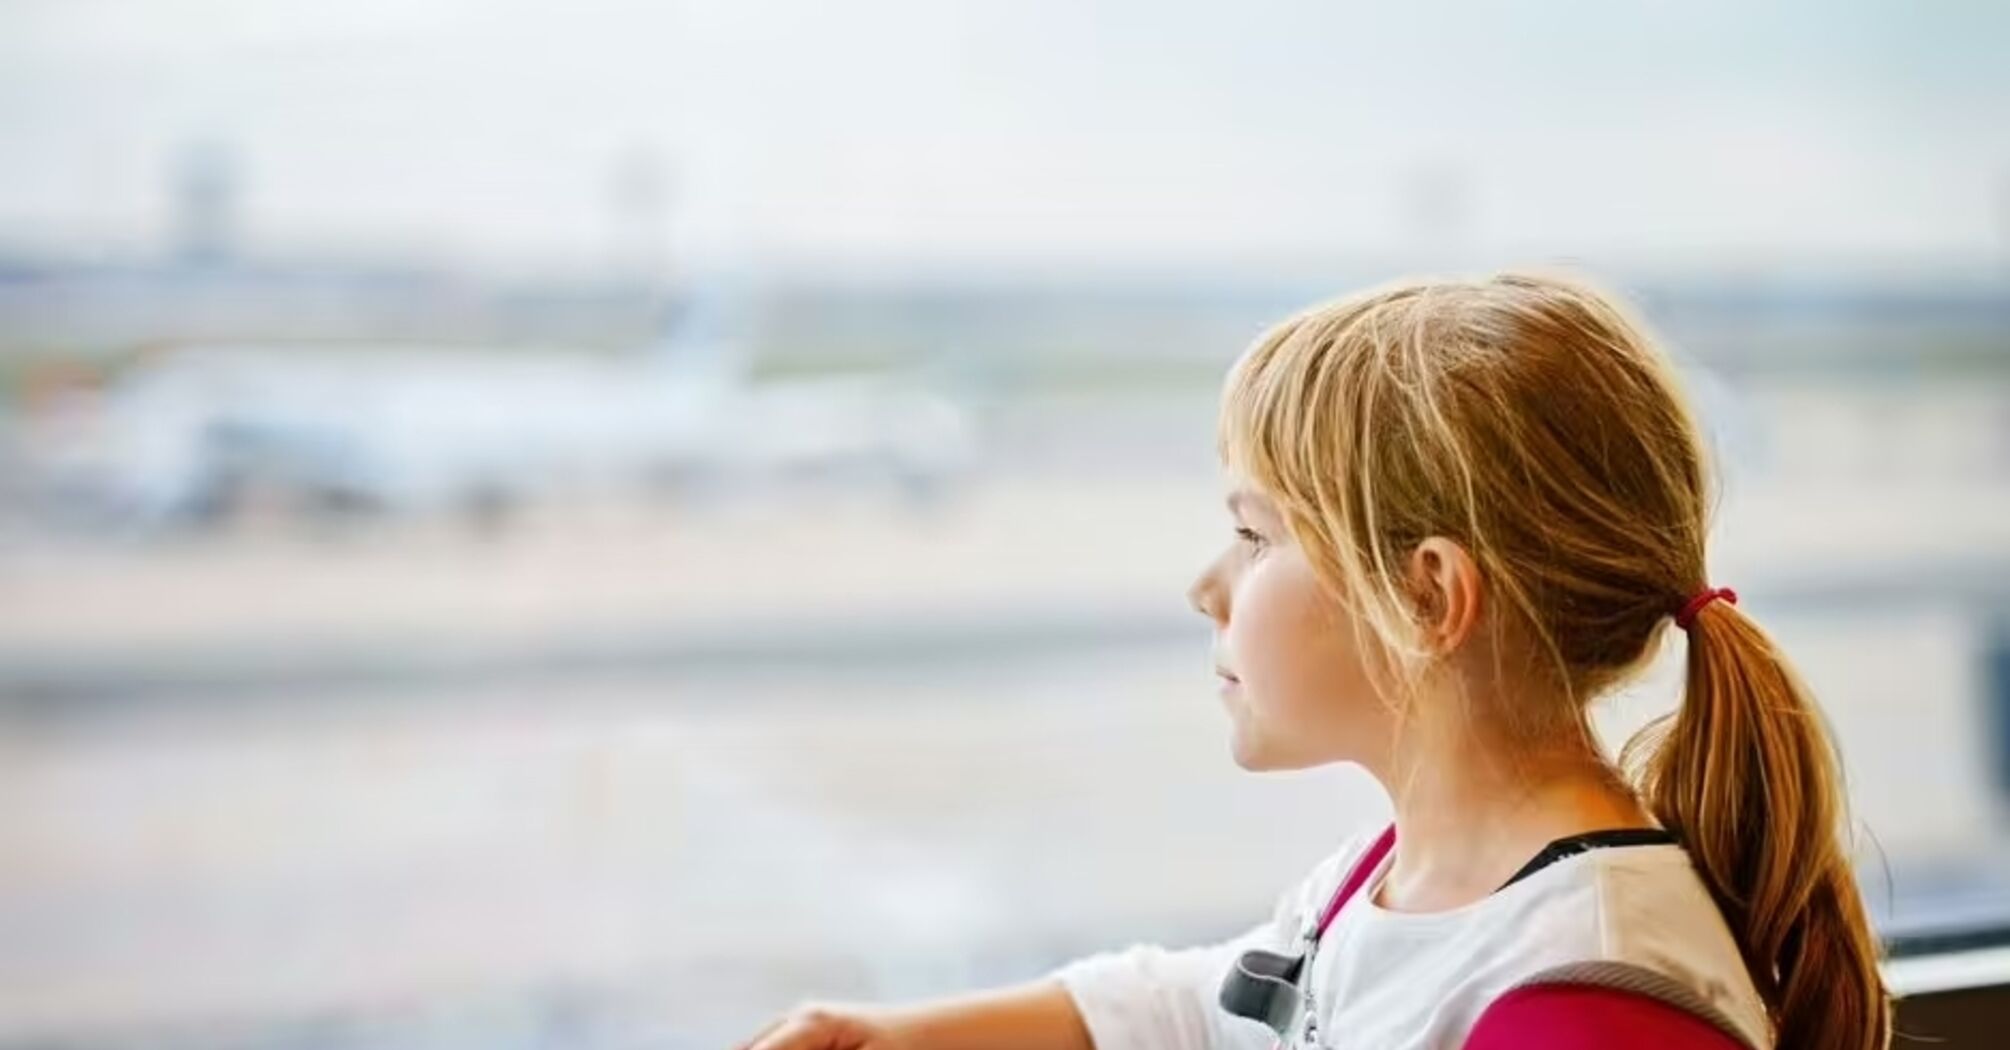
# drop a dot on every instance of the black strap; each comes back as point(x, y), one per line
point(1572, 845)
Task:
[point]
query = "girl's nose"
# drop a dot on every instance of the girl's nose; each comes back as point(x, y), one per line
point(1205, 597)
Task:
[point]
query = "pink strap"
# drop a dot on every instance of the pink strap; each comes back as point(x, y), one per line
point(1357, 878)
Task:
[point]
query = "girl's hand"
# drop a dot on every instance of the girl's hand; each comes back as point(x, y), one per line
point(827, 1026)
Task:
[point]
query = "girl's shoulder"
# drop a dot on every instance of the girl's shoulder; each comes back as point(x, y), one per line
point(1656, 912)
point(1645, 908)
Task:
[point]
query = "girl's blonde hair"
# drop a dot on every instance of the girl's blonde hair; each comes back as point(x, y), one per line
point(1525, 418)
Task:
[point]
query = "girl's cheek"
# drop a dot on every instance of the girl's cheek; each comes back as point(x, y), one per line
point(1253, 630)
point(1278, 633)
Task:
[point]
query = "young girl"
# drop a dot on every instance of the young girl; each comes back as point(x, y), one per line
point(1463, 511)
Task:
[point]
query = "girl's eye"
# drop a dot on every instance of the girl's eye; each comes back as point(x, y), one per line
point(1249, 536)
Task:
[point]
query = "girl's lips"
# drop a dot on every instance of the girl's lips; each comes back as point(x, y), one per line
point(1233, 680)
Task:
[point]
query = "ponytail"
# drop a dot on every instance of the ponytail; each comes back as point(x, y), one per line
point(1744, 774)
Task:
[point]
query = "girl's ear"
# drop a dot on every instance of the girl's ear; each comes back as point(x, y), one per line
point(1446, 581)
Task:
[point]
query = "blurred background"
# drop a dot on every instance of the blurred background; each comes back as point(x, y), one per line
point(582, 524)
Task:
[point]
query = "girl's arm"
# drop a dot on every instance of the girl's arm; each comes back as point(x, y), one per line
point(1037, 1016)
point(1143, 998)
point(1151, 998)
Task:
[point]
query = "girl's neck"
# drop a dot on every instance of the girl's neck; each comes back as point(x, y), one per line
point(1465, 823)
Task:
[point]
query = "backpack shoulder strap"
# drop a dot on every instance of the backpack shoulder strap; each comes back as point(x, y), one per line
point(1578, 1006)
point(1357, 877)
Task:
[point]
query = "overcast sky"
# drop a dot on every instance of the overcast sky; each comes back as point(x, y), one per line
point(916, 132)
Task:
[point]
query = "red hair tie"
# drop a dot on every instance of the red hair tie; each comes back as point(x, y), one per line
point(1703, 597)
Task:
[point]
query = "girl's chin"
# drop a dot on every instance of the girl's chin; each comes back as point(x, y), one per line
point(1257, 755)
point(1249, 752)
point(1246, 741)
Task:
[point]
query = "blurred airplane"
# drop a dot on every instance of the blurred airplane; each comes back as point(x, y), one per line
point(192, 435)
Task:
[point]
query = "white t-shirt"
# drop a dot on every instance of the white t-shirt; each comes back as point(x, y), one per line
point(1385, 980)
